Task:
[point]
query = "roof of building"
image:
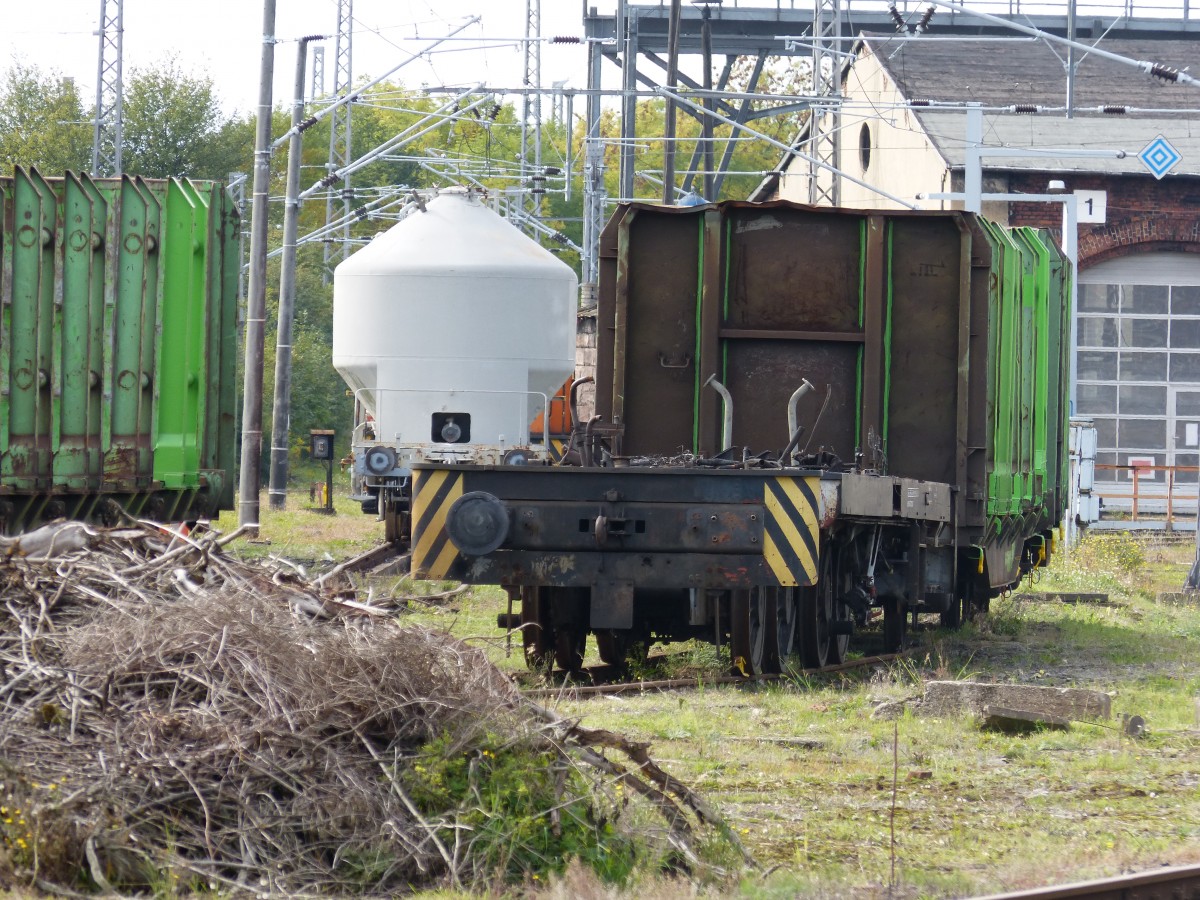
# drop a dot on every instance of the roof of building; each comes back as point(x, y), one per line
point(1033, 73)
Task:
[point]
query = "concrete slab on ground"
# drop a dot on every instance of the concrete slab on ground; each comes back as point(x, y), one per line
point(954, 698)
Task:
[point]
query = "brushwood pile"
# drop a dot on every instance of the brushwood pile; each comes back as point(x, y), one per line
point(174, 717)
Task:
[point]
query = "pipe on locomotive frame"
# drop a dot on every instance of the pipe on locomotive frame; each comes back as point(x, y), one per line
point(794, 402)
point(727, 408)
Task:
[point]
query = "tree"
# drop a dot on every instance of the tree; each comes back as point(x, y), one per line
point(174, 126)
point(42, 122)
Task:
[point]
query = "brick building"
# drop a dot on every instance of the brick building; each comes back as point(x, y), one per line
point(1138, 317)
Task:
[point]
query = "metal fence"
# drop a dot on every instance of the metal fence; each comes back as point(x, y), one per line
point(1149, 496)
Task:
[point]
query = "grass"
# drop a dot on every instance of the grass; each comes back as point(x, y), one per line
point(803, 771)
point(302, 534)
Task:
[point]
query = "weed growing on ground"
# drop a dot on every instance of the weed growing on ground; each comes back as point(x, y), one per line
point(525, 812)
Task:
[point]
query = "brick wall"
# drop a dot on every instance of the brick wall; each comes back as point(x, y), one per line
point(1143, 214)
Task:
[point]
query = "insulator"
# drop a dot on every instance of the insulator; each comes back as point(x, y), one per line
point(1114, 110)
point(329, 180)
point(919, 103)
point(566, 39)
point(559, 238)
point(362, 214)
point(306, 124)
point(897, 18)
point(552, 170)
point(1166, 73)
point(923, 25)
point(494, 112)
point(1026, 109)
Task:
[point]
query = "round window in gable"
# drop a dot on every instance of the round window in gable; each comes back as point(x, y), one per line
point(864, 146)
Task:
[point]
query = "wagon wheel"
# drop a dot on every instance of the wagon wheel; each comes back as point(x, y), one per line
point(619, 647)
point(786, 616)
point(895, 625)
point(953, 617)
point(537, 635)
point(753, 637)
point(818, 608)
point(570, 642)
point(568, 612)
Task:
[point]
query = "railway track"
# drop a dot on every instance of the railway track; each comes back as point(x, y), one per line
point(571, 689)
point(1171, 883)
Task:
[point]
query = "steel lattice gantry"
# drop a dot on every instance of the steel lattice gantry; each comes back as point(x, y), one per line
point(635, 38)
point(532, 178)
point(106, 135)
point(340, 131)
point(316, 88)
point(824, 126)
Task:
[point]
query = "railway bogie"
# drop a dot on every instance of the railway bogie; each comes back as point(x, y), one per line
point(717, 495)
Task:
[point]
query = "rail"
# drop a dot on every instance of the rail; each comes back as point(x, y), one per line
point(1175, 881)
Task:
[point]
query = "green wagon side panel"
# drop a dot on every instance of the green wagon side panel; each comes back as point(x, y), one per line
point(127, 461)
point(1058, 318)
point(29, 312)
point(118, 340)
point(1037, 288)
point(76, 380)
point(181, 363)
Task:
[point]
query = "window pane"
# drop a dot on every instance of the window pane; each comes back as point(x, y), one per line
point(1185, 333)
point(1143, 400)
point(1095, 366)
point(1186, 459)
point(1144, 333)
point(1106, 433)
point(1103, 463)
point(1097, 331)
point(1185, 301)
point(1181, 435)
point(1150, 434)
point(1185, 366)
point(1095, 399)
point(1144, 299)
point(1144, 366)
point(1187, 403)
point(1099, 297)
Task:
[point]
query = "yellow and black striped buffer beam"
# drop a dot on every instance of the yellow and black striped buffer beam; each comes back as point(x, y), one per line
point(792, 529)
point(434, 492)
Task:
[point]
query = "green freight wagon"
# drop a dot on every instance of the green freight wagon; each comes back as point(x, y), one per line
point(804, 417)
point(118, 348)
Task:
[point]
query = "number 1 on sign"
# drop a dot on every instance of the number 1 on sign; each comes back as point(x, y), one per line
point(1091, 207)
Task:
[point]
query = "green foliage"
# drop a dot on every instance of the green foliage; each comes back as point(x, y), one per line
point(526, 813)
point(174, 126)
point(1107, 563)
point(42, 122)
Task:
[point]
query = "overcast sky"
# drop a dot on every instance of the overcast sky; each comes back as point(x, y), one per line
point(222, 38)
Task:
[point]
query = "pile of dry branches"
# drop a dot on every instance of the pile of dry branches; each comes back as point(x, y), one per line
point(167, 711)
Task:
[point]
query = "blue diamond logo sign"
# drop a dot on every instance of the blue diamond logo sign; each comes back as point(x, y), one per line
point(1159, 157)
